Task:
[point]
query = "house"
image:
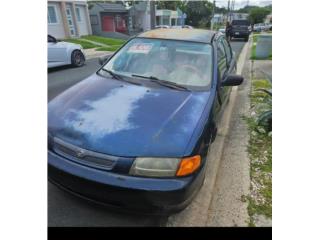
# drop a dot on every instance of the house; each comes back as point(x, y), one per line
point(139, 17)
point(68, 18)
point(268, 19)
point(170, 17)
point(109, 19)
point(218, 18)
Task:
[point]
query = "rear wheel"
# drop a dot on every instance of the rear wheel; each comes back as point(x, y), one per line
point(77, 58)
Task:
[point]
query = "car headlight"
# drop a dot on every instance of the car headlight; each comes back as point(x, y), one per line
point(165, 167)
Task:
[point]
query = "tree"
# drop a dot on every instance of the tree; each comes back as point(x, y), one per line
point(258, 14)
point(199, 13)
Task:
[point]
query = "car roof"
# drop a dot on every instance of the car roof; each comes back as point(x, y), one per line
point(185, 34)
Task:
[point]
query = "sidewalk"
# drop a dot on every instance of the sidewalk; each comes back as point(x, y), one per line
point(92, 53)
point(229, 204)
point(228, 208)
point(218, 202)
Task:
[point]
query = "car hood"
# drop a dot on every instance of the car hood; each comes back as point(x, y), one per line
point(116, 118)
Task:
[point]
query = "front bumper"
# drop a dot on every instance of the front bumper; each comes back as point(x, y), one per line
point(240, 33)
point(138, 194)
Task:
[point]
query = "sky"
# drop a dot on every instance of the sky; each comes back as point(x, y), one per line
point(242, 3)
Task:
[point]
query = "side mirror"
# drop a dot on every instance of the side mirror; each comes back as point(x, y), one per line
point(103, 59)
point(52, 39)
point(232, 80)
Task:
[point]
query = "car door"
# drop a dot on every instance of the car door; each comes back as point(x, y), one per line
point(57, 52)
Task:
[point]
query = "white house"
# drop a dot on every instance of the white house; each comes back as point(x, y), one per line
point(68, 18)
point(139, 16)
point(170, 17)
point(218, 18)
point(268, 19)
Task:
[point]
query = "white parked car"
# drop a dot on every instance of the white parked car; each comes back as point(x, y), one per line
point(187, 26)
point(257, 27)
point(162, 26)
point(261, 27)
point(64, 53)
point(222, 30)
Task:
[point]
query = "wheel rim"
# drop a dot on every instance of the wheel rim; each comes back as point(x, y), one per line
point(78, 59)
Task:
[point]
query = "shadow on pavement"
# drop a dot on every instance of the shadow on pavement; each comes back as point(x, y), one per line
point(65, 67)
point(76, 212)
point(237, 40)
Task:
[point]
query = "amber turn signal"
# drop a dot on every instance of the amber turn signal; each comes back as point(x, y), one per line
point(188, 165)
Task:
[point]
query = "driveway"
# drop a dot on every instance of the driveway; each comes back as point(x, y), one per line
point(67, 210)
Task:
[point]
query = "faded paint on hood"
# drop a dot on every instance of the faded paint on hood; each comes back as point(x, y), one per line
point(116, 118)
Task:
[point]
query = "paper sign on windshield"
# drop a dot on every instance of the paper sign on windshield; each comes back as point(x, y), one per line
point(140, 48)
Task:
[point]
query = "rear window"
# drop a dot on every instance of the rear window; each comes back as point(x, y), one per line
point(240, 22)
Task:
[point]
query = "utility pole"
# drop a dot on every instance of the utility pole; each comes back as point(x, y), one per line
point(212, 19)
point(232, 9)
point(152, 14)
point(228, 16)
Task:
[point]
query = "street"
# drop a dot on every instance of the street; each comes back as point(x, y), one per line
point(67, 210)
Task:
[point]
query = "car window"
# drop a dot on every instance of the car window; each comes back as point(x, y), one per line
point(227, 49)
point(181, 62)
point(222, 60)
point(240, 22)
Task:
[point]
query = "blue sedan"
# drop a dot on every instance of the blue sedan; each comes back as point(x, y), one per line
point(136, 133)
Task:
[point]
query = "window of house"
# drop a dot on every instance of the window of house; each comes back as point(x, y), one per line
point(94, 19)
point(166, 20)
point(52, 15)
point(78, 14)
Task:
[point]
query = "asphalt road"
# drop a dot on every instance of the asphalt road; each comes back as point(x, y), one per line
point(63, 208)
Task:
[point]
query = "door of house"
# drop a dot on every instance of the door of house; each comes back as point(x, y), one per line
point(108, 24)
point(70, 21)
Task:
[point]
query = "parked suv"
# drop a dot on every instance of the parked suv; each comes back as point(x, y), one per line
point(240, 29)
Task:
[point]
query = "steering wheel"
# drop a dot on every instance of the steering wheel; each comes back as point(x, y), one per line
point(190, 67)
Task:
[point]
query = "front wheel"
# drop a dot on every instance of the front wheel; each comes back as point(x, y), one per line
point(77, 58)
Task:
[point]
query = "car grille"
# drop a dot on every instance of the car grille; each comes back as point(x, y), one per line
point(83, 156)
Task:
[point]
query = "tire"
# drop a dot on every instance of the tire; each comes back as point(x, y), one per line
point(77, 58)
point(246, 39)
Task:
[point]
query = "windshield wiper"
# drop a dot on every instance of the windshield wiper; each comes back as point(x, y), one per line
point(162, 82)
point(118, 77)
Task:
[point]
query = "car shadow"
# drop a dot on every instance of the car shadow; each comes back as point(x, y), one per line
point(54, 69)
point(237, 40)
point(75, 211)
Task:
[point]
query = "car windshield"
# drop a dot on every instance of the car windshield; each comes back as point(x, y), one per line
point(183, 63)
point(240, 22)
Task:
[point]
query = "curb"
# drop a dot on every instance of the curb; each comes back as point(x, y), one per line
point(198, 212)
point(96, 54)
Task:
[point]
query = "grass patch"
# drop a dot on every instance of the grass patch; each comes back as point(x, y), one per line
point(84, 44)
point(103, 40)
point(260, 153)
point(111, 48)
point(270, 55)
